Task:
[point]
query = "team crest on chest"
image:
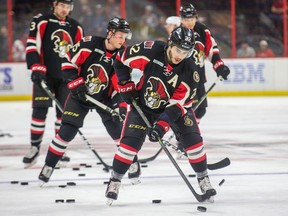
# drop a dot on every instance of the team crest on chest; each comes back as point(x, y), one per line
point(156, 93)
point(63, 42)
point(97, 79)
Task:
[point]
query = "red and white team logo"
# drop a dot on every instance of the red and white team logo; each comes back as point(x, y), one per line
point(97, 79)
point(156, 93)
point(63, 42)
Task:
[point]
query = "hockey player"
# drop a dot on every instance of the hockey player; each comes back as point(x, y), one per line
point(89, 70)
point(205, 47)
point(165, 93)
point(50, 37)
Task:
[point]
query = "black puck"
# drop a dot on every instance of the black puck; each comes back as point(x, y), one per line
point(75, 168)
point(106, 182)
point(83, 164)
point(191, 175)
point(81, 174)
point(59, 201)
point(99, 163)
point(24, 183)
point(156, 201)
point(70, 200)
point(201, 208)
point(62, 186)
point(57, 167)
point(71, 183)
point(144, 165)
point(88, 166)
point(14, 182)
point(223, 180)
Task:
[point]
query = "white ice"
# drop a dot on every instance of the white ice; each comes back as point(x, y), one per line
point(251, 131)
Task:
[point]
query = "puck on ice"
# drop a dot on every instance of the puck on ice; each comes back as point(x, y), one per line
point(191, 175)
point(223, 180)
point(70, 200)
point(59, 201)
point(106, 182)
point(156, 201)
point(14, 182)
point(201, 208)
point(144, 165)
point(76, 168)
point(83, 164)
point(62, 186)
point(81, 174)
point(71, 183)
point(99, 163)
point(24, 183)
point(88, 166)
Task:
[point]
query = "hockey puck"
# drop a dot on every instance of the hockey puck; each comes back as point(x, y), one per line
point(201, 208)
point(75, 168)
point(70, 200)
point(62, 186)
point(223, 180)
point(24, 183)
point(144, 165)
point(82, 164)
point(106, 182)
point(59, 201)
point(191, 175)
point(88, 166)
point(156, 201)
point(99, 163)
point(57, 167)
point(81, 174)
point(14, 182)
point(71, 183)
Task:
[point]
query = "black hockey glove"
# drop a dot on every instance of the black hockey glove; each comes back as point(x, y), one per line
point(38, 73)
point(158, 130)
point(221, 69)
point(128, 91)
point(78, 89)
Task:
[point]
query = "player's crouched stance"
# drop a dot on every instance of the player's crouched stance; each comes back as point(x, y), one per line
point(165, 94)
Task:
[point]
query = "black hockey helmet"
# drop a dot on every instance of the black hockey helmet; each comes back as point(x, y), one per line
point(187, 11)
point(183, 38)
point(119, 24)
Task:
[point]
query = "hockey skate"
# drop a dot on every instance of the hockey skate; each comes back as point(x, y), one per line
point(180, 155)
point(31, 157)
point(45, 174)
point(206, 187)
point(134, 173)
point(112, 190)
point(63, 161)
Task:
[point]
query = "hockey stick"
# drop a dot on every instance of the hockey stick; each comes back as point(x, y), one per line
point(47, 90)
point(199, 197)
point(145, 160)
point(218, 165)
point(101, 105)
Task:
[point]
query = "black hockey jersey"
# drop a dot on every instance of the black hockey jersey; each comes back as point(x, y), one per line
point(162, 87)
point(90, 59)
point(205, 47)
point(49, 40)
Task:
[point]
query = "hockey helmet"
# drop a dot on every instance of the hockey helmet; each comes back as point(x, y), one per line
point(183, 38)
point(119, 24)
point(188, 11)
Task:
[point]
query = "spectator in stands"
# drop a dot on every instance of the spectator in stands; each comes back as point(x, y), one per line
point(171, 23)
point(19, 47)
point(264, 50)
point(276, 14)
point(148, 22)
point(246, 50)
point(3, 43)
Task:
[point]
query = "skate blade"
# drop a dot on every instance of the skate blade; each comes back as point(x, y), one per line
point(109, 202)
point(41, 184)
point(211, 199)
point(135, 181)
point(61, 164)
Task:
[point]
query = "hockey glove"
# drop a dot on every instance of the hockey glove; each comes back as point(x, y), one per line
point(158, 130)
point(128, 91)
point(38, 73)
point(221, 69)
point(78, 89)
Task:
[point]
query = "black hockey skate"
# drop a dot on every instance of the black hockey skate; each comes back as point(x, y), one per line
point(112, 190)
point(45, 174)
point(134, 173)
point(31, 157)
point(206, 187)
